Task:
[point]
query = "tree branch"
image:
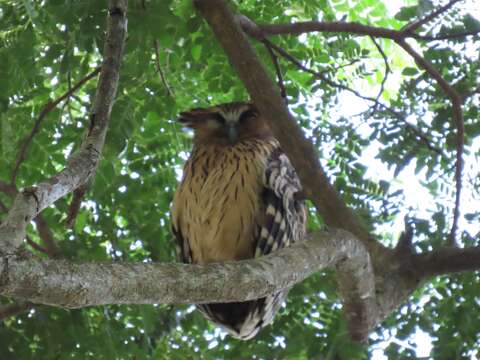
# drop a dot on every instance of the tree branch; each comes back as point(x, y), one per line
point(260, 31)
point(459, 124)
point(60, 283)
point(446, 261)
point(36, 126)
point(8, 189)
point(253, 30)
point(47, 238)
point(82, 165)
point(14, 309)
point(266, 96)
point(159, 69)
point(415, 25)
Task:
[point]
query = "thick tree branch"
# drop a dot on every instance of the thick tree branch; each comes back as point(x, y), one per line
point(266, 96)
point(72, 285)
point(82, 165)
point(60, 283)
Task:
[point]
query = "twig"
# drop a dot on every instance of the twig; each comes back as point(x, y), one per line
point(3, 207)
point(399, 38)
point(159, 69)
point(336, 68)
point(37, 247)
point(8, 189)
point(387, 71)
point(36, 126)
point(447, 36)
point(423, 138)
point(458, 118)
point(47, 237)
point(281, 85)
point(410, 28)
point(14, 309)
point(75, 205)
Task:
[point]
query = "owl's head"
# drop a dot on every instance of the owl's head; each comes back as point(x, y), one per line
point(225, 124)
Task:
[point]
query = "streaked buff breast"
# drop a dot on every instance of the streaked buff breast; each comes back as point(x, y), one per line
point(218, 202)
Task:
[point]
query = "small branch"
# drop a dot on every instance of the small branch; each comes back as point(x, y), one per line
point(387, 71)
point(447, 261)
point(35, 246)
point(458, 119)
point(281, 85)
point(36, 126)
point(78, 195)
point(82, 165)
point(8, 189)
point(7, 311)
point(447, 36)
point(334, 26)
point(422, 137)
point(413, 26)
point(160, 70)
point(46, 235)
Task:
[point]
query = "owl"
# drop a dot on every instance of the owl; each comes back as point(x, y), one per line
point(236, 201)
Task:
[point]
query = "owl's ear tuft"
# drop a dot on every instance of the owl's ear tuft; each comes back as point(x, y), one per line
point(194, 117)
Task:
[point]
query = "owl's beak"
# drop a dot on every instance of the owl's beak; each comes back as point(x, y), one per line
point(232, 133)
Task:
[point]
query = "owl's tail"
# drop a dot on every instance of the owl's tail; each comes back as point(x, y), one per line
point(243, 320)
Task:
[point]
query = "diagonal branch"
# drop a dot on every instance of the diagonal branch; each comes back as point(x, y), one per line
point(413, 26)
point(399, 37)
point(46, 235)
point(8, 189)
point(82, 165)
point(36, 126)
point(376, 102)
point(266, 96)
point(160, 70)
point(456, 100)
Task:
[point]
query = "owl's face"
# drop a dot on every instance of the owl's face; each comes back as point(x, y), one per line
point(225, 124)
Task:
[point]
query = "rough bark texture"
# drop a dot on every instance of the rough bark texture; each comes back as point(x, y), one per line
point(73, 285)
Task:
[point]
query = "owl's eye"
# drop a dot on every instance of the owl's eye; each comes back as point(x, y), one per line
point(247, 115)
point(220, 119)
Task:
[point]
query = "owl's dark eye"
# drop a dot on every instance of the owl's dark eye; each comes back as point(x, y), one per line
point(220, 119)
point(247, 115)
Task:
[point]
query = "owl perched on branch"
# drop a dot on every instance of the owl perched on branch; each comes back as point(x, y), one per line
point(236, 201)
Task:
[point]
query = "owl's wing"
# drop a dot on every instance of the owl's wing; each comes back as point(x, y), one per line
point(182, 248)
point(281, 223)
point(284, 218)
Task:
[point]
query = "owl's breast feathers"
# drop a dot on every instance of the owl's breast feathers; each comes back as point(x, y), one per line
point(217, 207)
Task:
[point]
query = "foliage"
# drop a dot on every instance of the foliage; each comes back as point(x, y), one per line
point(46, 47)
